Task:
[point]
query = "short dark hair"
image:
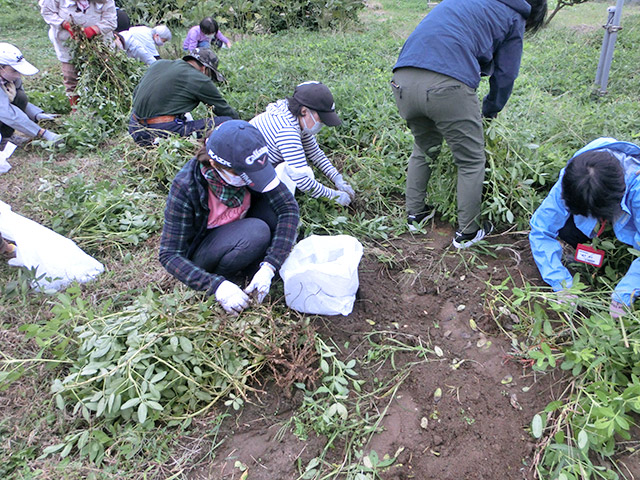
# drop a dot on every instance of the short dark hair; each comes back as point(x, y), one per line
point(593, 185)
point(295, 106)
point(209, 26)
point(536, 17)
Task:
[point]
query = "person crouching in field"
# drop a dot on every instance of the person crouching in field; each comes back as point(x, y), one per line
point(434, 84)
point(149, 38)
point(226, 212)
point(172, 88)
point(290, 126)
point(16, 112)
point(601, 183)
point(205, 35)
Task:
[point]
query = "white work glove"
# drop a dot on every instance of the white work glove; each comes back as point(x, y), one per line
point(231, 298)
point(344, 186)
point(342, 198)
point(49, 136)
point(46, 116)
point(261, 281)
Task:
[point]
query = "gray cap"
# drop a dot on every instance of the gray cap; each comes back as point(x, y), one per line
point(207, 58)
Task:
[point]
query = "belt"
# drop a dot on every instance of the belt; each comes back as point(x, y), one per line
point(154, 120)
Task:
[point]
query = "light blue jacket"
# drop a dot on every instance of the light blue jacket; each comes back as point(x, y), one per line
point(552, 214)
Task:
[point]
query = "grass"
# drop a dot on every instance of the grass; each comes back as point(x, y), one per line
point(550, 114)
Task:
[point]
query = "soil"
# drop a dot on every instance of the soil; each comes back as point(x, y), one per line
point(418, 291)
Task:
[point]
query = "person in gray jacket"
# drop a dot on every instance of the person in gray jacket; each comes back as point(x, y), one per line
point(16, 112)
point(133, 48)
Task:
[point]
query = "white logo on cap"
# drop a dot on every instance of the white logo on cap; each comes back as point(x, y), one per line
point(246, 178)
point(218, 159)
point(251, 159)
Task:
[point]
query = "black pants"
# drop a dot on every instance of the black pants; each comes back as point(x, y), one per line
point(238, 247)
point(146, 135)
point(21, 101)
point(570, 233)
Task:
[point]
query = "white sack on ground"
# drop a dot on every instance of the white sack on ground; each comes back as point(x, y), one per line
point(321, 275)
point(4, 155)
point(59, 259)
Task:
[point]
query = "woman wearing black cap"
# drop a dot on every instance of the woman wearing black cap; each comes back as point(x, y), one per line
point(226, 211)
point(289, 126)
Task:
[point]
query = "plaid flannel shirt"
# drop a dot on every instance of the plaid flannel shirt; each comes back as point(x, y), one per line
point(185, 226)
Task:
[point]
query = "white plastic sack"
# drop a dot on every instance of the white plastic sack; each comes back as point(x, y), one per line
point(321, 275)
point(59, 259)
point(4, 155)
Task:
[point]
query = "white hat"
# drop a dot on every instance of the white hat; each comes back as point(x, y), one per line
point(10, 55)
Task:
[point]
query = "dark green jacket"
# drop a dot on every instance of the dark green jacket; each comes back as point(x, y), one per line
point(173, 87)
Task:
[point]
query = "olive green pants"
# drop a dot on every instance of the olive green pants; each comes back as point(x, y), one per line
point(436, 106)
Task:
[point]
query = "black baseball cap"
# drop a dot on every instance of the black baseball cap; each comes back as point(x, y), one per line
point(318, 97)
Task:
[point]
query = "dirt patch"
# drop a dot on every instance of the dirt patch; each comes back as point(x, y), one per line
point(418, 291)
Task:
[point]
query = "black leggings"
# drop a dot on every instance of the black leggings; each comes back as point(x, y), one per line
point(239, 246)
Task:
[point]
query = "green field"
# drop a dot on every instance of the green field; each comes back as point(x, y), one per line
point(108, 194)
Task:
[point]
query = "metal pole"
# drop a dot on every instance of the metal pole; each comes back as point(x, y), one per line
point(608, 45)
point(605, 43)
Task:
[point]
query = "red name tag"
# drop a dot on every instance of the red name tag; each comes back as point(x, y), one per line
point(589, 255)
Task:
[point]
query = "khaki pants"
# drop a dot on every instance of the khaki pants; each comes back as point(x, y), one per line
point(436, 106)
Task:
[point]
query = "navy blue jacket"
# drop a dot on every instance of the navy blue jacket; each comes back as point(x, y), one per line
point(464, 39)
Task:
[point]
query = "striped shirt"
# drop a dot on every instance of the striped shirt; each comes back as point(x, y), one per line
point(287, 143)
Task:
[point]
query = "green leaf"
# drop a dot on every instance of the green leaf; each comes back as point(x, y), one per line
point(536, 426)
point(186, 345)
point(142, 412)
point(66, 450)
point(154, 405)
point(82, 441)
point(622, 422)
point(324, 366)
point(53, 448)
point(583, 440)
point(132, 402)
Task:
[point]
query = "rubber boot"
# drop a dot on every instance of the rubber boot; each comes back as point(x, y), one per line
point(73, 101)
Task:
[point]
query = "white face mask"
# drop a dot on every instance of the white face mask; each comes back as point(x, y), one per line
point(158, 41)
point(231, 179)
point(315, 128)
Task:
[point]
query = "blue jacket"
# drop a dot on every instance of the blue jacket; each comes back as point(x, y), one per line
point(552, 214)
point(466, 38)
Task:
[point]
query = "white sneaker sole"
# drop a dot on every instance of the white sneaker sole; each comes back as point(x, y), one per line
point(480, 234)
point(429, 216)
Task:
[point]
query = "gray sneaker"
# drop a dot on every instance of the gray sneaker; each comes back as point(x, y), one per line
point(465, 240)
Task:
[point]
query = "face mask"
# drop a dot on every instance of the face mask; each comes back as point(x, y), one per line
point(231, 179)
point(158, 41)
point(314, 129)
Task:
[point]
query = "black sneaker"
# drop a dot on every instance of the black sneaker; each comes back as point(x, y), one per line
point(414, 222)
point(465, 240)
